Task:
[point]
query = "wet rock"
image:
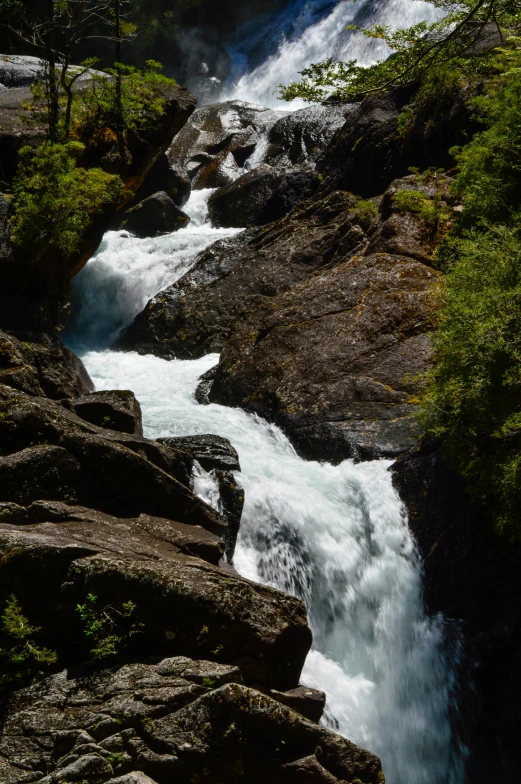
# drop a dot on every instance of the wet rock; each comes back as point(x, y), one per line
point(308, 702)
point(210, 451)
point(166, 177)
point(202, 393)
point(302, 136)
point(333, 360)
point(40, 364)
point(218, 140)
point(146, 723)
point(155, 215)
point(119, 472)
point(261, 196)
point(114, 410)
point(194, 316)
point(183, 605)
point(217, 455)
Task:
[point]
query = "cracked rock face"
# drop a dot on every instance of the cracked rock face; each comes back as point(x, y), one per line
point(176, 720)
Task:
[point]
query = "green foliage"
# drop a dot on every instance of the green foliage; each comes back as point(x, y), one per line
point(21, 656)
point(490, 165)
point(365, 211)
point(109, 629)
point(95, 110)
point(55, 200)
point(419, 51)
point(431, 211)
point(472, 401)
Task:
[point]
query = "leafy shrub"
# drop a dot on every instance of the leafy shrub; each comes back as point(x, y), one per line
point(55, 200)
point(109, 629)
point(20, 655)
point(472, 401)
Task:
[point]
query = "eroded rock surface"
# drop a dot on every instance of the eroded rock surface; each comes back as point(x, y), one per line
point(179, 720)
point(194, 316)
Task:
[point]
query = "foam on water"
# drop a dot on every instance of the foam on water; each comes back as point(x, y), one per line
point(126, 272)
point(336, 536)
point(309, 31)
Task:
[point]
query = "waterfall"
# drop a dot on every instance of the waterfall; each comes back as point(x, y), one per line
point(309, 31)
point(336, 536)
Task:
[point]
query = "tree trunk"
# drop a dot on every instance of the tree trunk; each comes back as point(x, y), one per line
point(53, 97)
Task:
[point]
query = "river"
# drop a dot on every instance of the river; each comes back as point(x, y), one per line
point(336, 536)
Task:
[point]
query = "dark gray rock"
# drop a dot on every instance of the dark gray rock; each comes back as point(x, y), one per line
point(119, 473)
point(202, 393)
point(261, 196)
point(210, 451)
point(308, 702)
point(180, 720)
point(155, 215)
point(218, 140)
point(165, 176)
point(369, 319)
point(114, 410)
point(183, 605)
point(217, 455)
point(194, 316)
point(39, 364)
point(301, 136)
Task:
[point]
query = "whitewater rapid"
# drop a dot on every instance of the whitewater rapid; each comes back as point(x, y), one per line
point(310, 31)
point(336, 536)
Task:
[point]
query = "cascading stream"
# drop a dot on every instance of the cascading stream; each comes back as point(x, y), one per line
point(310, 31)
point(336, 536)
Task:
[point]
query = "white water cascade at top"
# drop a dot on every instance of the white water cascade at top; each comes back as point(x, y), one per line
point(309, 31)
point(336, 536)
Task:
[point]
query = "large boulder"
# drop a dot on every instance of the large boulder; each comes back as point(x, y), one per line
point(194, 316)
point(20, 70)
point(335, 360)
point(165, 176)
point(155, 215)
point(261, 196)
point(119, 472)
point(218, 140)
point(183, 605)
point(177, 720)
point(301, 136)
point(39, 364)
point(111, 409)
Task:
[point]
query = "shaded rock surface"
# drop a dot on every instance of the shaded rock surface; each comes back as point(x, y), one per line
point(216, 142)
point(323, 318)
point(165, 176)
point(331, 361)
point(184, 605)
point(216, 455)
point(113, 410)
point(180, 719)
point(156, 215)
point(261, 196)
point(472, 576)
point(41, 365)
point(194, 316)
point(308, 702)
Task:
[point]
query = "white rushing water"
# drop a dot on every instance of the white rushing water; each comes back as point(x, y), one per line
point(336, 536)
point(310, 31)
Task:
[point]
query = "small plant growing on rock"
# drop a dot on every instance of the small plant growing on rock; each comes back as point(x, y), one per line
point(109, 629)
point(20, 654)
